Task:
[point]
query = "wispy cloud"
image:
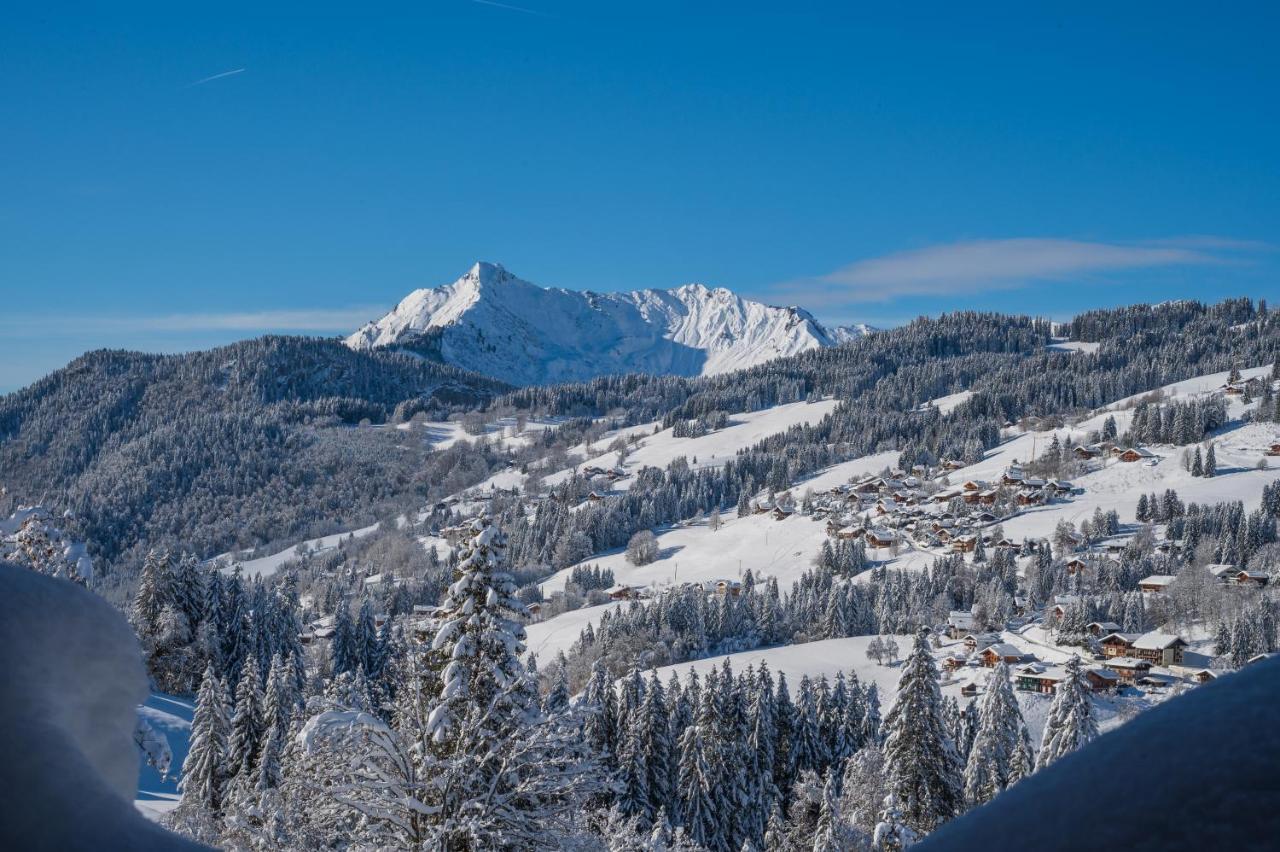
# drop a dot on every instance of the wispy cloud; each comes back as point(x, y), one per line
point(219, 76)
point(977, 265)
point(509, 7)
point(328, 320)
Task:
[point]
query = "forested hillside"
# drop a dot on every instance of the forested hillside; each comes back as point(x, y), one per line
point(231, 447)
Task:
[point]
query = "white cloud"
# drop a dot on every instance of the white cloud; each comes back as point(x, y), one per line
point(339, 319)
point(976, 265)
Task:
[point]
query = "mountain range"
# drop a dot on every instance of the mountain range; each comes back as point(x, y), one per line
point(494, 323)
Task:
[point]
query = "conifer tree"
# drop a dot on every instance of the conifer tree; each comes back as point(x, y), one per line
point(921, 765)
point(1071, 722)
point(343, 649)
point(204, 770)
point(246, 723)
point(1000, 732)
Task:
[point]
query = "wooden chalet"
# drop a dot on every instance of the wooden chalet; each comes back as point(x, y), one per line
point(959, 623)
point(1156, 584)
point(851, 533)
point(974, 641)
point(1102, 628)
point(1101, 679)
point(992, 655)
point(730, 588)
point(622, 592)
point(1129, 669)
point(1118, 644)
point(1274, 449)
point(1037, 678)
point(881, 537)
point(1163, 649)
point(1251, 578)
point(1135, 454)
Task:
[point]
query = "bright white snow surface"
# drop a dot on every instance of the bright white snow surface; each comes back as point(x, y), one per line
point(494, 323)
point(170, 717)
point(73, 679)
point(786, 548)
point(1196, 773)
point(826, 657)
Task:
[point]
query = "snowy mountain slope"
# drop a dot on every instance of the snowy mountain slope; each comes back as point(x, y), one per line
point(502, 326)
point(785, 549)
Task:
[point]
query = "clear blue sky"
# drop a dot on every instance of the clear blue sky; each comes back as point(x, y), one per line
point(871, 166)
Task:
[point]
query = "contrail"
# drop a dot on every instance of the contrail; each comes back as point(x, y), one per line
point(509, 7)
point(224, 74)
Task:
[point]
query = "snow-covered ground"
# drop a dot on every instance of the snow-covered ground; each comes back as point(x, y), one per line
point(946, 404)
point(270, 563)
point(767, 547)
point(786, 549)
point(505, 431)
point(547, 638)
point(829, 656)
point(171, 718)
point(711, 450)
point(1059, 344)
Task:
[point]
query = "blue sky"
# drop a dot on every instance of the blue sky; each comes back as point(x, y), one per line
point(870, 165)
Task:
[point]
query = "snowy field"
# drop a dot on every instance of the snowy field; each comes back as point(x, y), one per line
point(505, 431)
point(829, 656)
point(711, 450)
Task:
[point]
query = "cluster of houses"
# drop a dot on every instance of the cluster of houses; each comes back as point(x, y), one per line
point(720, 588)
point(1151, 660)
point(885, 511)
point(1128, 455)
point(1227, 574)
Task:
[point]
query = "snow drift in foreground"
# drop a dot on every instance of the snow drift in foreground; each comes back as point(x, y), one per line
point(497, 324)
point(1194, 773)
point(72, 681)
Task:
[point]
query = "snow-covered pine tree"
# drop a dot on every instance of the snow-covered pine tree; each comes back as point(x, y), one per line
point(921, 766)
point(204, 770)
point(481, 629)
point(344, 650)
point(652, 735)
point(504, 775)
point(279, 700)
point(829, 836)
point(1000, 732)
point(246, 722)
point(892, 833)
point(1071, 722)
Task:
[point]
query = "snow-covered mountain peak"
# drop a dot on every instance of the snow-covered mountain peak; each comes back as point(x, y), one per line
point(494, 322)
